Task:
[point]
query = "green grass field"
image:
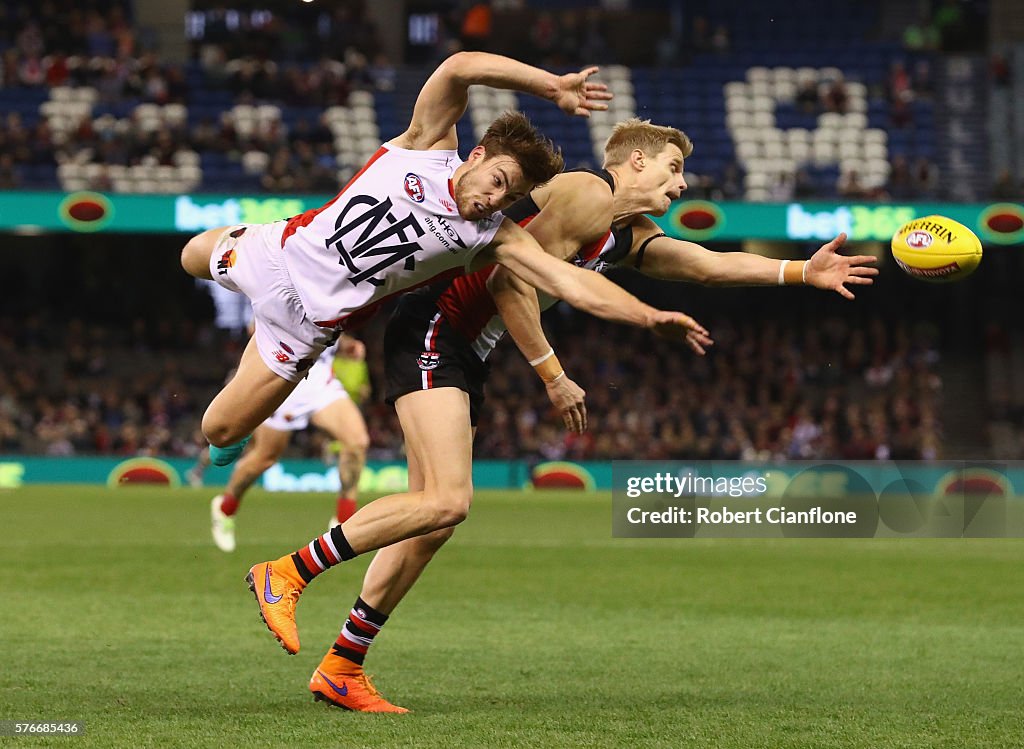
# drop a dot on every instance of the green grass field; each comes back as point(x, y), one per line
point(532, 628)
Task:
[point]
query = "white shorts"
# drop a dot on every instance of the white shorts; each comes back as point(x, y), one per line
point(249, 258)
point(311, 395)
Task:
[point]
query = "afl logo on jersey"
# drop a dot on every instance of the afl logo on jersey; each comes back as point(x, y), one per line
point(414, 187)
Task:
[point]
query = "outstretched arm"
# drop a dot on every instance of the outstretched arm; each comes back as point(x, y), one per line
point(678, 260)
point(517, 304)
point(591, 292)
point(445, 95)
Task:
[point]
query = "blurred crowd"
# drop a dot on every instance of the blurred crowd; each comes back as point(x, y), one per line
point(84, 389)
point(948, 26)
point(767, 391)
point(313, 58)
point(1006, 186)
point(99, 48)
point(566, 37)
point(910, 178)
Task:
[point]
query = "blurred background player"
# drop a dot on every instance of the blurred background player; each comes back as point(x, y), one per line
point(320, 400)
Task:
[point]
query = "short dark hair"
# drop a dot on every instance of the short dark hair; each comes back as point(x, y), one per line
point(512, 134)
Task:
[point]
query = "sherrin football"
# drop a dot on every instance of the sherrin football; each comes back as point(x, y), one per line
point(936, 248)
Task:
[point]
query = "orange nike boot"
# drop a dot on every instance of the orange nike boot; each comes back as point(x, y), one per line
point(344, 684)
point(277, 586)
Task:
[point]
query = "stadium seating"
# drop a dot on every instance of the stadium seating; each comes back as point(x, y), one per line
point(741, 105)
point(734, 113)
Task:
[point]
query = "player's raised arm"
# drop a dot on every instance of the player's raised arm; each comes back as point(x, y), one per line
point(445, 95)
point(659, 256)
point(591, 292)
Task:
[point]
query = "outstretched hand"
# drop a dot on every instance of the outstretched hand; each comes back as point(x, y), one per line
point(576, 95)
point(570, 400)
point(678, 326)
point(829, 270)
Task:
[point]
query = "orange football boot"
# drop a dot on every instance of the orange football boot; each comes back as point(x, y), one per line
point(277, 609)
point(348, 687)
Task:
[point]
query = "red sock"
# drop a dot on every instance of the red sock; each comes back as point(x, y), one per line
point(229, 505)
point(346, 509)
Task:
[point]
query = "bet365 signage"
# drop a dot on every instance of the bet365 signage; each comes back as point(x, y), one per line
point(699, 220)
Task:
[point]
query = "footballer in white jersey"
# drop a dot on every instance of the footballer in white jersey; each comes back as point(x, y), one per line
point(393, 227)
point(510, 160)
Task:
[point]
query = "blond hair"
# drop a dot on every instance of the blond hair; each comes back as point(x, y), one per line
point(634, 133)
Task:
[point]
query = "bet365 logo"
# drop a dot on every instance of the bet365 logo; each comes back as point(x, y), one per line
point(366, 246)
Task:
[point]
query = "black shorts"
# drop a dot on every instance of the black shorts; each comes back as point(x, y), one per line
point(422, 352)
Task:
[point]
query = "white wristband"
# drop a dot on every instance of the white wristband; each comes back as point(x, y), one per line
point(782, 272)
point(541, 359)
point(803, 272)
point(556, 378)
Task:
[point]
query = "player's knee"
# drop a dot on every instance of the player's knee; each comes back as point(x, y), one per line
point(448, 506)
point(218, 432)
point(195, 257)
point(358, 444)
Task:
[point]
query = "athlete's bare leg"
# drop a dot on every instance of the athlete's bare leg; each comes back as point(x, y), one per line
point(342, 420)
point(266, 448)
point(439, 435)
point(249, 399)
point(396, 568)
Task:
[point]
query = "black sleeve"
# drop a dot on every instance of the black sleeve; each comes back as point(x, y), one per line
point(643, 248)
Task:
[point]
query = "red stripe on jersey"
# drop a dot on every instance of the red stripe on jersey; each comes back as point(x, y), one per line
point(304, 219)
point(591, 251)
point(467, 304)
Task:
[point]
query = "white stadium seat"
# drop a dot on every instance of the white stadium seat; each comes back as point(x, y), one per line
point(758, 73)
